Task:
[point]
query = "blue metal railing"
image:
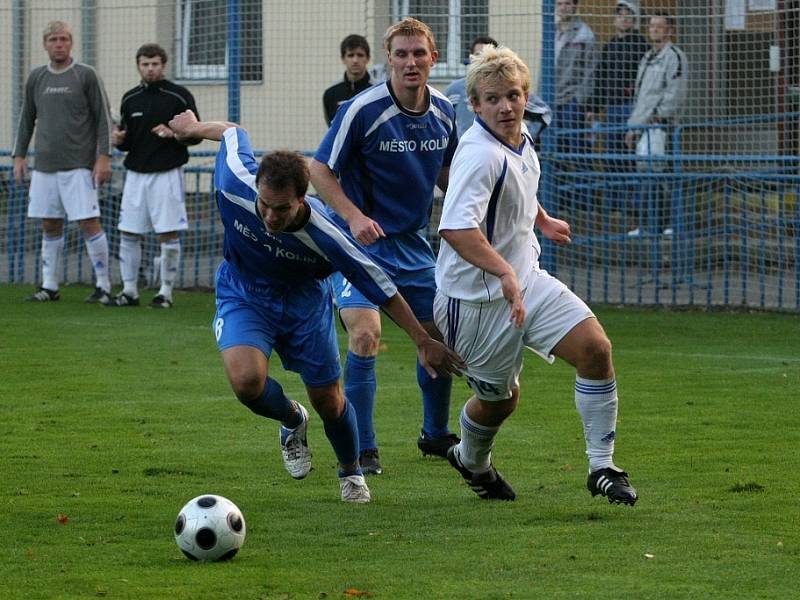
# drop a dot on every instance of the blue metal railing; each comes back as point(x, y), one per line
point(736, 218)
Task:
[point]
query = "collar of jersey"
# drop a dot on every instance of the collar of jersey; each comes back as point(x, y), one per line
point(403, 109)
point(155, 85)
point(64, 70)
point(518, 151)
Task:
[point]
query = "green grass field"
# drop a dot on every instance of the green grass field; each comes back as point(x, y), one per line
point(115, 418)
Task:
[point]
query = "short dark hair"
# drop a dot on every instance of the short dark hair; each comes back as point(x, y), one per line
point(352, 42)
point(482, 39)
point(151, 50)
point(283, 169)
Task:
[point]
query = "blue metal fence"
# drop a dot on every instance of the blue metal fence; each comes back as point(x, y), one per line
point(733, 223)
point(735, 239)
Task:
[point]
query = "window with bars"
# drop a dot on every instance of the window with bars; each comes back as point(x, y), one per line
point(202, 34)
point(455, 23)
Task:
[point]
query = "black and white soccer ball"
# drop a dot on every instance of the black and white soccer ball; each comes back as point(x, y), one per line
point(209, 528)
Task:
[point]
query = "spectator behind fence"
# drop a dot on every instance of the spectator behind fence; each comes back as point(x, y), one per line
point(661, 85)
point(615, 78)
point(494, 301)
point(152, 199)
point(67, 105)
point(273, 293)
point(354, 51)
point(456, 92)
point(576, 60)
point(377, 168)
point(537, 113)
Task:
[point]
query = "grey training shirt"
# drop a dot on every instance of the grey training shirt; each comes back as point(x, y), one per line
point(70, 111)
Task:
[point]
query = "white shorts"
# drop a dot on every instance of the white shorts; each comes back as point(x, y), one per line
point(153, 202)
point(492, 346)
point(71, 193)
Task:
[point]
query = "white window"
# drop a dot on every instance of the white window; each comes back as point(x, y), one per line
point(455, 23)
point(202, 37)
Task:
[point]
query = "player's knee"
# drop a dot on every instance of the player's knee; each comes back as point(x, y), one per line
point(596, 358)
point(246, 386)
point(364, 341)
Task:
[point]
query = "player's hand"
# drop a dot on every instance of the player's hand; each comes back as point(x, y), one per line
point(102, 169)
point(20, 170)
point(556, 230)
point(182, 124)
point(117, 136)
point(365, 230)
point(163, 131)
point(630, 139)
point(512, 293)
point(438, 359)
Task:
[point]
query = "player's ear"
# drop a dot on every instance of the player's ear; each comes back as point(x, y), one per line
point(474, 105)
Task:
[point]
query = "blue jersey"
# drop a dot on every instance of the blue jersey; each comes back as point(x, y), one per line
point(387, 158)
point(288, 259)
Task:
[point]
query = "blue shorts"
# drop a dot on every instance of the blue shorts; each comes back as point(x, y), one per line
point(297, 321)
point(409, 262)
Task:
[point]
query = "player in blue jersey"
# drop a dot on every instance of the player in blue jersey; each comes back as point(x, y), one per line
point(273, 292)
point(377, 168)
point(494, 300)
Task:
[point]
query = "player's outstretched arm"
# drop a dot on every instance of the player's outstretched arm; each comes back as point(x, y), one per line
point(187, 128)
point(435, 357)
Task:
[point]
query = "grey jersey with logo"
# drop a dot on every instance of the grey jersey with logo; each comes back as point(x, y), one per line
point(70, 111)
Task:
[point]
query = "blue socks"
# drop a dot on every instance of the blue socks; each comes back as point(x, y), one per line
point(435, 402)
point(342, 435)
point(360, 386)
point(273, 404)
point(359, 389)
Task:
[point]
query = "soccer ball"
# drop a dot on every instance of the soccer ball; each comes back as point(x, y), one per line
point(209, 527)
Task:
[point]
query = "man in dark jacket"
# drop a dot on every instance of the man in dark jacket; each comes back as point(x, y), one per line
point(152, 199)
point(355, 57)
point(615, 77)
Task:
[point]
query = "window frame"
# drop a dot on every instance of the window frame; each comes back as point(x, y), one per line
point(204, 73)
point(453, 66)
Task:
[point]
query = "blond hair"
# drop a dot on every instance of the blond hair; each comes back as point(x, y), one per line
point(408, 27)
point(56, 27)
point(491, 65)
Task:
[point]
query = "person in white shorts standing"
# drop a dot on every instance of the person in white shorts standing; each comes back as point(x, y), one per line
point(67, 105)
point(492, 299)
point(153, 198)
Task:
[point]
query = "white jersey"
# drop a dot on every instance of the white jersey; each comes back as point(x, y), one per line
point(492, 188)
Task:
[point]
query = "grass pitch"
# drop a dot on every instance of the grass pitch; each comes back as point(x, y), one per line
point(113, 419)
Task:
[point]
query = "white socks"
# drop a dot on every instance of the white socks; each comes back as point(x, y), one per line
point(596, 401)
point(52, 249)
point(170, 259)
point(130, 259)
point(475, 449)
point(97, 247)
